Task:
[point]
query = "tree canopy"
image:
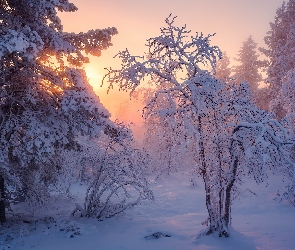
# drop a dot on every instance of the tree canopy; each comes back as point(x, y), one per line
point(46, 100)
point(232, 136)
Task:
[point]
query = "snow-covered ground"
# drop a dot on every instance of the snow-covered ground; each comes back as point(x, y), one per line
point(259, 222)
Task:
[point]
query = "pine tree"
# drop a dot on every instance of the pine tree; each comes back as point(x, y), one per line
point(45, 97)
point(223, 70)
point(280, 42)
point(247, 70)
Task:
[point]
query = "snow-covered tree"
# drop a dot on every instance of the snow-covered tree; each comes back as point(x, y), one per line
point(165, 142)
point(46, 100)
point(168, 144)
point(114, 171)
point(223, 70)
point(159, 140)
point(232, 136)
point(286, 100)
point(263, 98)
point(287, 94)
point(248, 68)
point(280, 46)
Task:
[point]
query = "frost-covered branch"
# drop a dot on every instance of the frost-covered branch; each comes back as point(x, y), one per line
point(116, 177)
point(173, 57)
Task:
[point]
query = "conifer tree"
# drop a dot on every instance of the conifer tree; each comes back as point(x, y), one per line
point(248, 69)
point(223, 70)
point(280, 42)
point(45, 97)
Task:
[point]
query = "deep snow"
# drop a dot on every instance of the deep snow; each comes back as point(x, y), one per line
point(259, 222)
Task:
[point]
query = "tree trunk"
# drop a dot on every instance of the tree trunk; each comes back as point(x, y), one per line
point(235, 145)
point(228, 193)
point(2, 201)
point(216, 197)
point(212, 219)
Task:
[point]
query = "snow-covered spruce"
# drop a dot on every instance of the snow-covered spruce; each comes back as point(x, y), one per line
point(46, 100)
point(279, 50)
point(248, 68)
point(223, 70)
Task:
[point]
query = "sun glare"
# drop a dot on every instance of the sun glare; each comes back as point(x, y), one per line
point(94, 76)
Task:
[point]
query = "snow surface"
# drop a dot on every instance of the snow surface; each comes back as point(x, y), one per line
point(259, 222)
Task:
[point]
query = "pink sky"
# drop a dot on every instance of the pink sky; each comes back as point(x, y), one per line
point(136, 20)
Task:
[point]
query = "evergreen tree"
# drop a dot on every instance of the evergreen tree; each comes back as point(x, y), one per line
point(223, 70)
point(247, 70)
point(45, 97)
point(280, 42)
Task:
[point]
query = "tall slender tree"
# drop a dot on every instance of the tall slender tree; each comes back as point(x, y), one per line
point(248, 69)
point(223, 69)
point(280, 44)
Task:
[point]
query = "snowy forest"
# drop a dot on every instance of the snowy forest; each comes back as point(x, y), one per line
point(218, 138)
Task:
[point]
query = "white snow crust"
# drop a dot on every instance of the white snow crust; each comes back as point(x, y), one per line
point(259, 221)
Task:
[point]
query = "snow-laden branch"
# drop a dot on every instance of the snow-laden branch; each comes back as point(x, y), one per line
point(173, 58)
